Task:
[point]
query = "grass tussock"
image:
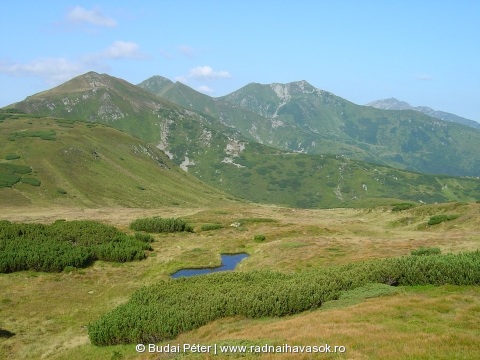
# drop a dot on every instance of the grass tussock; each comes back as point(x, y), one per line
point(209, 227)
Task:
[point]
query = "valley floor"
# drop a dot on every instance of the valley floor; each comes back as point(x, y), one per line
point(48, 312)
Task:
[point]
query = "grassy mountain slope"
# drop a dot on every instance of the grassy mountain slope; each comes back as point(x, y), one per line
point(404, 139)
point(395, 104)
point(108, 100)
point(82, 164)
point(252, 125)
point(224, 158)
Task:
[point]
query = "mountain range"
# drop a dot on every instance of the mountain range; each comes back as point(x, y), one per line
point(289, 144)
point(395, 104)
point(298, 117)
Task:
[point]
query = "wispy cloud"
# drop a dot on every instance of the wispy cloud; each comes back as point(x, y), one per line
point(79, 15)
point(205, 89)
point(57, 70)
point(119, 50)
point(186, 51)
point(51, 70)
point(423, 77)
point(123, 50)
point(202, 73)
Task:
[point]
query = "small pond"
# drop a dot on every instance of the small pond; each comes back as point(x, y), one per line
point(229, 262)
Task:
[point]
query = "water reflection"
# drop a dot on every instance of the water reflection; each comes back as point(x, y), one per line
point(229, 262)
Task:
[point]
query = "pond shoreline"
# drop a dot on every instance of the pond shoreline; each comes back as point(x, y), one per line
point(229, 263)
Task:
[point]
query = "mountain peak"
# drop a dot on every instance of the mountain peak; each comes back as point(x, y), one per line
point(395, 104)
point(390, 104)
point(156, 84)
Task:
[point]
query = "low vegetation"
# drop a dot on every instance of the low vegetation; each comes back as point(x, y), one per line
point(42, 134)
point(259, 238)
point(12, 157)
point(438, 219)
point(208, 227)
point(10, 174)
point(64, 244)
point(426, 251)
point(163, 311)
point(402, 206)
point(160, 225)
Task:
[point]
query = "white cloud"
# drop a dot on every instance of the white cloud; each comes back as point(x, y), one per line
point(51, 70)
point(57, 70)
point(123, 50)
point(205, 89)
point(79, 15)
point(207, 73)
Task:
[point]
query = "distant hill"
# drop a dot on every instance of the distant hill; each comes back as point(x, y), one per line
point(330, 124)
point(395, 104)
point(84, 164)
point(205, 143)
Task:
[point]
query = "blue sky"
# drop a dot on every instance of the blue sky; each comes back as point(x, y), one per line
point(423, 52)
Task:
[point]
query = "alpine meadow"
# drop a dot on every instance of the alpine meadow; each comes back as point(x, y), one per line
point(353, 231)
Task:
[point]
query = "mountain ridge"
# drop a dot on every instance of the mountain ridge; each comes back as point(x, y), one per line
point(395, 104)
point(210, 145)
point(403, 139)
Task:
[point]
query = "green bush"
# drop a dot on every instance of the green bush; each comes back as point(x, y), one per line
point(437, 219)
point(8, 179)
point(64, 244)
point(163, 311)
point(259, 238)
point(426, 251)
point(42, 134)
point(159, 225)
point(10, 174)
point(402, 206)
point(147, 238)
point(12, 157)
point(31, 181)
point(208, 227)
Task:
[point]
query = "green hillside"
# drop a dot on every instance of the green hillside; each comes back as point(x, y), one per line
point(404, 139)
point(45, 161)
point(224, 157)
point(252, 125)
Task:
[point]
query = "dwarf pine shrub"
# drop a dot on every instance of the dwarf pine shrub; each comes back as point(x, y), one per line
point(437, 219)
point(402, 206)
point(426, 251)
point(64, 244)
point(160, 225)
point(163, 311)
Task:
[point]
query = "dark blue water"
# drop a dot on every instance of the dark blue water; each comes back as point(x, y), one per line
point(229, 262)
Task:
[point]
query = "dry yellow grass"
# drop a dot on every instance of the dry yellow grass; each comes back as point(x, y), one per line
point(49, 312)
